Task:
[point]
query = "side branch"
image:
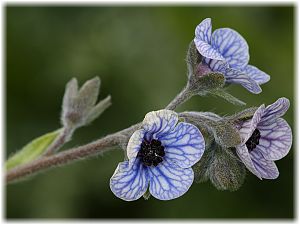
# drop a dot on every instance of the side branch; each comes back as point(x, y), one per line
point(72, 155)
point(75, 154)
point(64, 157)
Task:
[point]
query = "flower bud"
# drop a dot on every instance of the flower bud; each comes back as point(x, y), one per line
point(79, 107)
point(201, 167)
point(226, 134)
point(224, 131)
point(225, 171)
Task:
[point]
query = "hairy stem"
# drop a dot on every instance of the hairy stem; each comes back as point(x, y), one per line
point(75, 154)
point(182, 97)
point(63, 137)
point(72, 155)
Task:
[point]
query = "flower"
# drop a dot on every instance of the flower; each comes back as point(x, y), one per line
point(226, 51)
point(266, 138)
point(160, 156)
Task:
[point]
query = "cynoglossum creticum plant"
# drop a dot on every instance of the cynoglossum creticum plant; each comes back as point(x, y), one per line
point(166, 152)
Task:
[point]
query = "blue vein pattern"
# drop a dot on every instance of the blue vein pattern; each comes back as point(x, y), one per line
point(274, 143)
point(227, 48)
point(276, 139)
point(184, 146)
point(232, 47)
point(236, 76)
point(158, 123)
point(276, 110)
point(255, 74)
point(134, 144)
point(266, 168)
point(169, 181)
point(130, 180)
point(203, 38)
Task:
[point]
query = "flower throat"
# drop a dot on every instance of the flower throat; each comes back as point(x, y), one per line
point(253, 141)
point(151, 153)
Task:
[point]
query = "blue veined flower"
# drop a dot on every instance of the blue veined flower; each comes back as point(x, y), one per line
point(226, 51)
point(266, 138)
point(160, 156)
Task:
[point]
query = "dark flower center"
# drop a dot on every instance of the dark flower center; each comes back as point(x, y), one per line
point(253, 140)
point(151, 153)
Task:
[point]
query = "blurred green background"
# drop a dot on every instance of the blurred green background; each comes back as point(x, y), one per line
point(139, 54)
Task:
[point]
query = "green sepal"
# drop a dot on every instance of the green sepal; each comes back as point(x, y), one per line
point(193, 59)
point(207, 83)
point(201, 167)
point(226, 134)
point(32, 150)
point(226, 172)
point(147, 195)
point(243, 115)
point(228, 97)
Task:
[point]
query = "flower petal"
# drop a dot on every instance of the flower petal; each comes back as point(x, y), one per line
point(130, 180)
point(244, 155)
point(134, 143)
point(169, 181)
point(247, 128)
point(216, 65)
point(257, 75)
point(202, 40)
point(232, 47)
point(184, 145)
point(276, 139)
point(203, 30)
point(236, 76)
point(266, 168)
point(276, 110)
point(158, 123)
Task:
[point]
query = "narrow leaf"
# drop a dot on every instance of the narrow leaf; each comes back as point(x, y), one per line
point(32, 150)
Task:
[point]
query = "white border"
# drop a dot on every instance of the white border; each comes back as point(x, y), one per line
point(153, 2)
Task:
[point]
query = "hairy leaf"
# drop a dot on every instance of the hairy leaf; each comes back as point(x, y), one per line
point(32, 150)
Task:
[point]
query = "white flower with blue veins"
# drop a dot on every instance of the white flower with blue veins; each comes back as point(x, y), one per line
point(226, 51)
point(160, 157)
point(266, 138)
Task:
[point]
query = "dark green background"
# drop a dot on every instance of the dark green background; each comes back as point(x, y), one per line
point(139, 54)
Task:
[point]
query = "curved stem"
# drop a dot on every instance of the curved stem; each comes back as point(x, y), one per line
point(71, 155)
point(62, 158)
point(182, 97)
point(75, 154)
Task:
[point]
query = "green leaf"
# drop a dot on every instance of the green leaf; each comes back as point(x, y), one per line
point(32, 150)
point(228, 97)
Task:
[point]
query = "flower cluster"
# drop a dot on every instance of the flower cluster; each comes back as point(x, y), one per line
point(165, 155)
point(226, 51)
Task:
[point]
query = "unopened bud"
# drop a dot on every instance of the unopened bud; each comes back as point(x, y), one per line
point(79, 107)
point(226, 172)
